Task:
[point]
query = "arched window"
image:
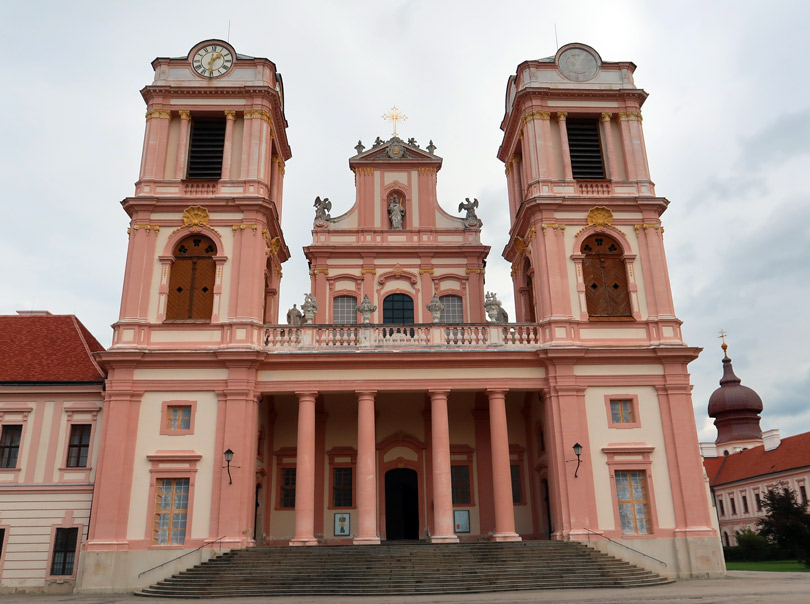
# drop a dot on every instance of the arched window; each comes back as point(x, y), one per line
point(605, 278)
point(191, 284)
point(453, 311)
point(398, 309)
point(344, 310)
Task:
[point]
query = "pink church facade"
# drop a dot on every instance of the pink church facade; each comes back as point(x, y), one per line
point(399, 403)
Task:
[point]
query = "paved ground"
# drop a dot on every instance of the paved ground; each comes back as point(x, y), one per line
point(738, 587)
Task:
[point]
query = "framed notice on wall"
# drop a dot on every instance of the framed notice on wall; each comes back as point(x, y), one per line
point(461, 521)
point(343, 523)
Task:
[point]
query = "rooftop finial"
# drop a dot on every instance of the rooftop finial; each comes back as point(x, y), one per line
point(394, 116)
point(724, 346)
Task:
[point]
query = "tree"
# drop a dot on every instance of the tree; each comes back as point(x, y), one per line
point(787, 522)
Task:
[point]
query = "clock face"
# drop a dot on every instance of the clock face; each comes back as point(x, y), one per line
point(212, 61)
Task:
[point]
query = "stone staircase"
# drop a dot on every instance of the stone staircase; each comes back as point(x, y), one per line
point(402, 568)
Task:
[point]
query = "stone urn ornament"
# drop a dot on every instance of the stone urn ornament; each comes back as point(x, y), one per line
point(494, 308)
point(365, 308)
point(435, 307)
point(310, 307)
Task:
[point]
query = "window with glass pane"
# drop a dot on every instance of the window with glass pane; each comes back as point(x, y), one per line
point(621, 412)
point(178, 417)
point(634, 507)
point(9, 445)
point(64, 551)
point(342, 488)
point(517, 486)
point(453, 311)
point(287, 487)
point(78, 445)
point(398, 309)
point(344, 310)
point(460, 483)
point(171, 511)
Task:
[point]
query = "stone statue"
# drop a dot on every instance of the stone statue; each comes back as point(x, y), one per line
point(412, 142)
point(471, 220)
point(310, 307)
point(322, 208)
point(377, 142)
point(365, 308)
point(294, 316)
point(495, 310)
point(395, 212)
point(435, 307)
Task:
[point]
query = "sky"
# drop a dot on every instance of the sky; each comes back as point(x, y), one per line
point(727, 129)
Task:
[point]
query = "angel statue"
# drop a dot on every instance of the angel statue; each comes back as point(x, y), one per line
point(322, 208)
point(471, 220)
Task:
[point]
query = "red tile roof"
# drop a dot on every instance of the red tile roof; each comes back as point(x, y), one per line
point(47, 348)
point(792, 453)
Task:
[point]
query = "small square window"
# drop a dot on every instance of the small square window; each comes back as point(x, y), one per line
point(178, 417)
point(622, 411)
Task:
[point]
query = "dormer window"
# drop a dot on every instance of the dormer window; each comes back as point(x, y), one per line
point(585, 149)
point(205, 149)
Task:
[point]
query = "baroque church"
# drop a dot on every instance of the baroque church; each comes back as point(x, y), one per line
point(400, 402)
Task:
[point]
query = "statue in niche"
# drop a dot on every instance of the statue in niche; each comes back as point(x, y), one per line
point(310, 307)
point(395, 211)
point(294, 316)
point(435, 307)
point(365, 308)
point(322, 208)
point(495, 310)
point(471, 220)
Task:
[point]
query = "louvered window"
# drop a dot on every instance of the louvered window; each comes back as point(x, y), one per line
point(585, 149)
point(605, 276)
point(191, 284)
point(205, 149)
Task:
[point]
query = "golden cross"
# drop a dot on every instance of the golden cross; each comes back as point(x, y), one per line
point(394, 116)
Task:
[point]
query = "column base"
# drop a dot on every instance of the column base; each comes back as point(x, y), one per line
point(443, 539)
point(505, 537)
point(304, 541)
point(366, 541)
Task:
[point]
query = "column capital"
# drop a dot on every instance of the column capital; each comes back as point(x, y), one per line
point(306, 395)
point(438, 393)
point(606, 116)
point(365, 393)
point(494, 392)
point(230, 114)
point(185, 114)
point(561, 116)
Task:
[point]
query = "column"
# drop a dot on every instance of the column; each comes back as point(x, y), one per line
point(366, 471)
point(566, 152)
point(501, 468)
point(607, 133)
point(305, 472)
point(182, 145)
point(227, 150)
point(442, 488)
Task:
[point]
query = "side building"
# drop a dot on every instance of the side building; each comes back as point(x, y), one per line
point(744, 463)
point(51, 397)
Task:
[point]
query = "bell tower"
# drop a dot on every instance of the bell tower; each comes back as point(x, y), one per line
point(205, 241)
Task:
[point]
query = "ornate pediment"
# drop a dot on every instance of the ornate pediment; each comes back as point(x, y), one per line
point(395, 149)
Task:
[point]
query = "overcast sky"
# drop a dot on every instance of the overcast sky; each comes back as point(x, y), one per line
point(727, 129)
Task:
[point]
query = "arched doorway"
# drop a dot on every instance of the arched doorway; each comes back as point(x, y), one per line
point(401, 504)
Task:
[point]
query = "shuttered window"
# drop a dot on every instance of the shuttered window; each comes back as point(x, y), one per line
point(603, 271)
point(205, 149)
point(585, 149)
point(191, 284)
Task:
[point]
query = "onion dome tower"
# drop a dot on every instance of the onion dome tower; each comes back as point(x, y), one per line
point(735, 409)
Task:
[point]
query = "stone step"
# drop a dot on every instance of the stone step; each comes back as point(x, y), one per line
point(411, 568)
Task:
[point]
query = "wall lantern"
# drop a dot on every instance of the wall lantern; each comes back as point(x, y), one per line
point(228, 459)
point(577, 452)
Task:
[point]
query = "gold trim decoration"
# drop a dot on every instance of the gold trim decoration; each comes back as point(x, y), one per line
point(274, 245)
point(520, 245)
point(146, 227)
point(259, 114)
point(427, 170)
point(650, 225)
point(541, 115)
point(630, 115)
point(606, 116)
point(368, 271)
point(315, 271)
point(561, 116)
point(600, 216)
point(195, 217)
point(277, 269)
point(530, 235)
point(162, 113)
point(185, 114)
point(477, 271)
point(428, 270)
point(242, 227)
point(515, 268)
point(553, 225)
point(230, 114)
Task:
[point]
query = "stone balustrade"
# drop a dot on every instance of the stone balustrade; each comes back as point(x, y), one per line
point(386, 337)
